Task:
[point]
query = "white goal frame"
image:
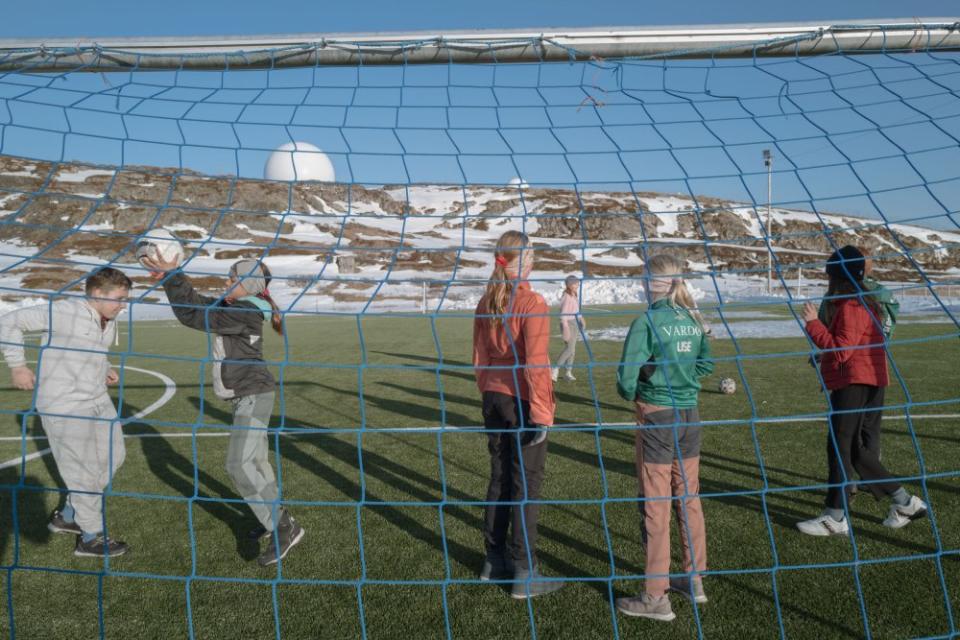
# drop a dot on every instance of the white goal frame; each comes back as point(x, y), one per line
point(478, 46)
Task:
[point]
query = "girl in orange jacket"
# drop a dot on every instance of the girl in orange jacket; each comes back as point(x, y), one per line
point(511, 340)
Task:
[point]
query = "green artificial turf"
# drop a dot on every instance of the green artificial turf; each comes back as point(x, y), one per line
point(389, 503)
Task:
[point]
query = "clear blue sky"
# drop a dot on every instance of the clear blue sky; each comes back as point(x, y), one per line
point(66, 18)
point(390, 125)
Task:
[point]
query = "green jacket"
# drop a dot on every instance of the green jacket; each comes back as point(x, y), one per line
point(665, 355)
point(889, 307)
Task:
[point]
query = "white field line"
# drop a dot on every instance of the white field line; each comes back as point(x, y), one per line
point(168, 393)
point(898, 416)
point(478, 428)
point(206, 434)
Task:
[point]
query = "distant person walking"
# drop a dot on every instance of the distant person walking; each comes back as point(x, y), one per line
point(571, 324)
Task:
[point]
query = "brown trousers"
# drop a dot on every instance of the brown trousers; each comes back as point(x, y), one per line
point(661, 483)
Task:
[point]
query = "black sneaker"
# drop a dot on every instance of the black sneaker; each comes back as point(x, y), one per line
point(497, 566)
point(287, 535)
point(100, 547)
point(58, 525)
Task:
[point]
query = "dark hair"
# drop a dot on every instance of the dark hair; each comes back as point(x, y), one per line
point(276, 319)
point(846, 263)
point(840, 289)
point(107, 279)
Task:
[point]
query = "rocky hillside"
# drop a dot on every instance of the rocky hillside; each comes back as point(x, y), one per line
point(72, 216)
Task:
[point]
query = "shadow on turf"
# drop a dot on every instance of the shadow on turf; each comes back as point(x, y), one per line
point(173, 468)
point(32, 511)
point(425, 412)
point(837, 627)
point(779, 513)
point(308, 452)
point(424, 488)
point(561, 396)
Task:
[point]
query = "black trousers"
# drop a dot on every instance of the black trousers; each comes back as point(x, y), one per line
point(870, 430)
point(856, 432)
point(516, 474)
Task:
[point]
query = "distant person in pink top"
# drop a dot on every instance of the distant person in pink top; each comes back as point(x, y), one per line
point(569, 314)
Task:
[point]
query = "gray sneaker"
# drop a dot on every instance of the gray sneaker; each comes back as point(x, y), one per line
point(287, 535)
point(497, 566)
point(99, 547)
point(689, 589)
point(58, 525)
point(646, 606)
point(258, 533)
point(529, 583)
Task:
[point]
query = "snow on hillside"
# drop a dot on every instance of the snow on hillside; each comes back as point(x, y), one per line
point(391, 248)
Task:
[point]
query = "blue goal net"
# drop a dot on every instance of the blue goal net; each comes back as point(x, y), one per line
point(375, 194)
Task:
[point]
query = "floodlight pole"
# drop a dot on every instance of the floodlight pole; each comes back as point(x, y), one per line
point(768, 162)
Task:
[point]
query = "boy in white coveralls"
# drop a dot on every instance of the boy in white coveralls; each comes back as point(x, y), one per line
point(77, 413)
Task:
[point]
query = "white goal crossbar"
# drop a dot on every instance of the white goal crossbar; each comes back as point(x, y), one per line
point(478, 46)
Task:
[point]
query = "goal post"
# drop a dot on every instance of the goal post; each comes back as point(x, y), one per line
point(478, 46)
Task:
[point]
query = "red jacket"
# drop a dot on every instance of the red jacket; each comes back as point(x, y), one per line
point(852, 328)
point(529, 333)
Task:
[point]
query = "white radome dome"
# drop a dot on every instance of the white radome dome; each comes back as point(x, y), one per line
point(519, 182)
point(298, 161)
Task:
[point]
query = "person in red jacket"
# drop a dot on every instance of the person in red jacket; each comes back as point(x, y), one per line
point(511, 341)
point(854, 369)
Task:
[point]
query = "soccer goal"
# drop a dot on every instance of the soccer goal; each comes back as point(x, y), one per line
point(356, 187)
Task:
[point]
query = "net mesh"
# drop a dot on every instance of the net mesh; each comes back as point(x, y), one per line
point(378, 221)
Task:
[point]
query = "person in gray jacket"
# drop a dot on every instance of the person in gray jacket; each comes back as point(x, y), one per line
point(76, 411)
point(240, 375)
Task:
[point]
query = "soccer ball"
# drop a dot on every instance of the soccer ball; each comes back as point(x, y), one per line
point(728, 386)
point(162, 243)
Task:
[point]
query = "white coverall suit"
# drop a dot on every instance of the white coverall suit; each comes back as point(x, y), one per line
point(75, 408)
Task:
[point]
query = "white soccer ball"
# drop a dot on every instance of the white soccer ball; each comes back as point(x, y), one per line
point(728, 386)
point(298, 161)
point(160, 243)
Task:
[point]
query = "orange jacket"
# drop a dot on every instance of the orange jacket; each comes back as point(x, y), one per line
point(519, 345)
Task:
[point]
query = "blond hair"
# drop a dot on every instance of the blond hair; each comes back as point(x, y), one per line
point(664, 265)
point(500, 288)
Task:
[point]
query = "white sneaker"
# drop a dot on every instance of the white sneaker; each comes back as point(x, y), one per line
point(645, 606)
point(569, 376)
point(554, 373)
point(823, 525)
point(901, 515)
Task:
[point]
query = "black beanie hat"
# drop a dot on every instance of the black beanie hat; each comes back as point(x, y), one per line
point(847, 263)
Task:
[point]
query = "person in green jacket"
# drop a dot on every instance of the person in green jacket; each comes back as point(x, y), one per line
point(666, 353)
point(889, 308)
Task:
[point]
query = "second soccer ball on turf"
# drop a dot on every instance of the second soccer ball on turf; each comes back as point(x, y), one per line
point(160, 243)
point(728, 386)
